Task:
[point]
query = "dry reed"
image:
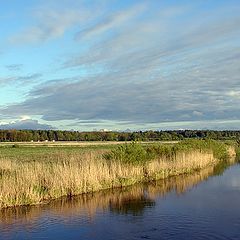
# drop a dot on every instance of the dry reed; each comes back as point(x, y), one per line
point(88, 204)
point(33, 182)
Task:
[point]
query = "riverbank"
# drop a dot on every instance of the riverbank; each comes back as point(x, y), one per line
point(116, 199)
point(36, 175)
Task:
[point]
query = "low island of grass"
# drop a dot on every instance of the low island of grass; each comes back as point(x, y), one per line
point(36, 174)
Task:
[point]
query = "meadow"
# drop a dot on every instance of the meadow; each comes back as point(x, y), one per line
point(33, 174)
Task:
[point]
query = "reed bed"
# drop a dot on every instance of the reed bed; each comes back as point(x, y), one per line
point(66, 174)
point(116, 199)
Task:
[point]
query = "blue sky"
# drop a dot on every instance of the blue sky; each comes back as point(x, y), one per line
point(87, 65)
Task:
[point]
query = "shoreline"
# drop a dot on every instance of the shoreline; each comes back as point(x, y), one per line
point(40, 182)
point(116, 196)
point(106, 190)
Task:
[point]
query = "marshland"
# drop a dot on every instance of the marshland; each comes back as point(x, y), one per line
point(33, 174)
point(202, 203)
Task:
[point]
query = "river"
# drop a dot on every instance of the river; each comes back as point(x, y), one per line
point(204, 205)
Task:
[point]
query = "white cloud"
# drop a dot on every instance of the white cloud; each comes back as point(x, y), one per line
point(25, 117)
point(197, 113)
point(234, 94)
point(25, 124)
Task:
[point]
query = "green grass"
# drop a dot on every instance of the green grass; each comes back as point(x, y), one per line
point(41, 153)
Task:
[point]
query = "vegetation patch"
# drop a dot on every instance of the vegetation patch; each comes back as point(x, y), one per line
point(31, 175)
point(133, 153)
point(138, 154)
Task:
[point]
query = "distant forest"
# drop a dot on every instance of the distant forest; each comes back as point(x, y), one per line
point(56, 135)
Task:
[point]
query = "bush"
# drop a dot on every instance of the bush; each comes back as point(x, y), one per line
point(133, 153)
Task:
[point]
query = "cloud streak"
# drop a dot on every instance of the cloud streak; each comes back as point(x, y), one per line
point(113, 21)
point(50, 22)
point(20, 80)
point(14, 67)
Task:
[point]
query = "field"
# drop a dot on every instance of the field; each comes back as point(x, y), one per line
point(36, 173)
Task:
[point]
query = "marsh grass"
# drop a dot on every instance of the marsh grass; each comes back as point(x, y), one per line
point(31, 176)
point(88, 205)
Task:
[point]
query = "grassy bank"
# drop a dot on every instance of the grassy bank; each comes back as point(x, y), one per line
point(132, 199)
point(35, 175)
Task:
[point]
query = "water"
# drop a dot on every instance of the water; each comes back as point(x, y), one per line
point(205, 205)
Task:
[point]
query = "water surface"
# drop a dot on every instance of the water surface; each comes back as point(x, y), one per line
point(205, 205)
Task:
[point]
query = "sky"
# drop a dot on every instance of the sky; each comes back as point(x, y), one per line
point(129, 64)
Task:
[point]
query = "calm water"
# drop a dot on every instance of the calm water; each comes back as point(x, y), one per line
point(205, 205)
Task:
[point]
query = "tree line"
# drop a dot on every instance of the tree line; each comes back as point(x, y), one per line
point(57, 135)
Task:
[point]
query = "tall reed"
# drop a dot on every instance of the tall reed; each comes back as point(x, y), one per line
point(31, 182)
point(88, 204)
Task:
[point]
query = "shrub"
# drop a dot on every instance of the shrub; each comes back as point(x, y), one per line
point(133, 153)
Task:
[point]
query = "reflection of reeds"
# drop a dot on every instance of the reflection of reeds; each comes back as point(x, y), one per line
point(31, 182)
point(125, 200)
point(179, 184)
